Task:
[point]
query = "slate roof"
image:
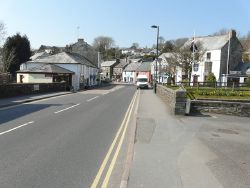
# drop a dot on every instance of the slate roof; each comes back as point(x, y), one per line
point(132, 66)
point(244, 68)
point(39, 55)
point(144, 67)
point(210, 42)
point(48, 68)
point(64, 58)
point(123, 63)
point(108, 63)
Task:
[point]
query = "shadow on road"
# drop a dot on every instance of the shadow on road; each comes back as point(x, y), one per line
point(20, 111)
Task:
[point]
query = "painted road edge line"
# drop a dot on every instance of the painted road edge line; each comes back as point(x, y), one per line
point(92, 98)
point(18, 127)
point(105, 161)
point(112, 164)
point(67, 108)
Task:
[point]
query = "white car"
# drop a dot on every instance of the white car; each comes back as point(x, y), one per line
point(142, 82)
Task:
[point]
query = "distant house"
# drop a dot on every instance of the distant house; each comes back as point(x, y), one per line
point(129, 73)
point(118, 69)
point(145, 69)
point(165, 69)
point(107, 68)
point(221, 55)
point(84, 73)
point(83, 48)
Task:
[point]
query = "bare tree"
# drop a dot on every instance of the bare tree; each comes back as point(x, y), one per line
point(184, 57)
point(135, 45)
point(2, 31)
point(103, 43)
point(222, 31)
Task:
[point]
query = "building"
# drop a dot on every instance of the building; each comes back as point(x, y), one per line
point(222, 54)
point(47, 73)
point(107, 68)
point(83, 48)
point(84, 73)
point(118, 69)
point(129, 73)
point(145, 69)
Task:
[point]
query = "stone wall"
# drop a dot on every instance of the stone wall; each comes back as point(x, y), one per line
point(13, 90)
point(238, 108)
point(175, 99)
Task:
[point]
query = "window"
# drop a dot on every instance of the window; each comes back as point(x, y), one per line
point(196, 67)
point(208, 67)
point(208, 55)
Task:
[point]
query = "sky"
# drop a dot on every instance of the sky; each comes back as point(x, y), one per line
point(55, 22)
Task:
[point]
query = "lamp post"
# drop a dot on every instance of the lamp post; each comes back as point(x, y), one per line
point(156, 62)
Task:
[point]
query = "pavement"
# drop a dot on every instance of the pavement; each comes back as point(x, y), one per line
point(207, 150)
point(12, 101)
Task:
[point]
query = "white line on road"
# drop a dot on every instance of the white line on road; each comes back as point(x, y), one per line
point(16, 128)
point(105, 93)
point(67, 108)
point(92, 98)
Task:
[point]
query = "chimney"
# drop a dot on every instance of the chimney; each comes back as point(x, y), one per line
point(80, 40)
point(232, 33)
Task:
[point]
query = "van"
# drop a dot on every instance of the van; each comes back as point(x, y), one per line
point(142, 82)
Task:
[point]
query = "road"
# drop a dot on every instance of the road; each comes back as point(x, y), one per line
point(62, 141)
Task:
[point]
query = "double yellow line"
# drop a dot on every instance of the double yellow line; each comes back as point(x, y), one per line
point(123, 127)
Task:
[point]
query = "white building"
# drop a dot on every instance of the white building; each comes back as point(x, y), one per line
point(84, 72)
point(221, 56)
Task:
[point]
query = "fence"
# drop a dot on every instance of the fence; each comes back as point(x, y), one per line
point(215, 84)
point(12, 90)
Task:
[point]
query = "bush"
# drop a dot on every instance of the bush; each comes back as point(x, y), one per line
point(248, 81)
point(211, 79)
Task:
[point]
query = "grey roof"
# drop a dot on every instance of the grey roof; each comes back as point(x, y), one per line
point(39, 55)
point(64, 58)
point(48, 68)
point(210, 42)
point(108, 63)
point(123, 63)
point(145, 66)
point(132, 66)
point(244, 68)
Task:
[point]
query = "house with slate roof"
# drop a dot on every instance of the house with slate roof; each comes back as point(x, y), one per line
point(145, 69)
point(107, 68)
point(81, 72)
point(220, 52)
point(130, 72)
point(118, 69)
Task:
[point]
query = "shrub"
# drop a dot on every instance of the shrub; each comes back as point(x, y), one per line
point(211, 79)
point(248, 81)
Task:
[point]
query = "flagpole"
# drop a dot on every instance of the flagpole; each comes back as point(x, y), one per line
point(228, 53)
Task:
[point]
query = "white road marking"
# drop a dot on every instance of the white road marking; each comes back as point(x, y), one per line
point(105, 93)
point(214, 117)
point(2, 133)
point(92, 98)
point(67, 108)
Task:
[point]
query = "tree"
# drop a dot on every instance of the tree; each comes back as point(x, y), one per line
point(103, 43)
point(183, 57)
point(135, 45)
point(222, 31)
point(16, 50)
point(168, 46)
point(2, 31)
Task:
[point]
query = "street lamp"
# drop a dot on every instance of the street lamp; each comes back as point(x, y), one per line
point(157, 46)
